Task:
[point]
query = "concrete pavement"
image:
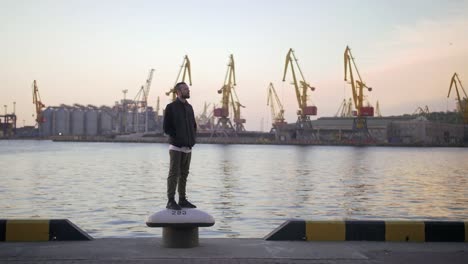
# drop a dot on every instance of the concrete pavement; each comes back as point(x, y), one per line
point(224, 250)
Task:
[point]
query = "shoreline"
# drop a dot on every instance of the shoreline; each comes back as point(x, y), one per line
point(230, 141)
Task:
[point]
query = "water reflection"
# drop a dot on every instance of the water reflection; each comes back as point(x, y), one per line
point(226, 194)
point(304, 177)
point(109, 189)
point(357, 183)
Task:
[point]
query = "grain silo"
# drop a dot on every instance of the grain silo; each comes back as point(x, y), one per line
point(77, 122)
point(45, 128)
point(91, 122)
point(62, 121)
point(105, 123)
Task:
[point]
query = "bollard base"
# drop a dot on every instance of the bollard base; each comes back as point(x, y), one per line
point(181, 237)
point(180, 227)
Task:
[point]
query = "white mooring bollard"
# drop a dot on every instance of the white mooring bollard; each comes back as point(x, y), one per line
point(180, 227)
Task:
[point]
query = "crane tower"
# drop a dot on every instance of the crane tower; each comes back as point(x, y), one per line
point(462, 105)
point(277, 110)
point(185, 70)
point(38, 103)
point(301, 87)
point(229, 97)
point(357, 87)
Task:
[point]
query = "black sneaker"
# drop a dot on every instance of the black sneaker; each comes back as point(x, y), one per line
point(171, 204)
point(184, 203)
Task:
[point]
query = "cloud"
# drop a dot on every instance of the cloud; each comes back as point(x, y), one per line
point(427, 40)
point(414, 64)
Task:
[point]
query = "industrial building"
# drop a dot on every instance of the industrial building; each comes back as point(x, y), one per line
point(382, 130)
point(7, 125)
point(91, 121)
point(356, 122)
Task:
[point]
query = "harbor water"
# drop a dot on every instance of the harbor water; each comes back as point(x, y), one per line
point(108, 189)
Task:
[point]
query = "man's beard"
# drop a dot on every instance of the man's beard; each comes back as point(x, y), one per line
point(186, 96)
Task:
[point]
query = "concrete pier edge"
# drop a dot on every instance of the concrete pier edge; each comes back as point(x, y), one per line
point(370, 230)
point(28, 230)
point(245, 250)
point(32, 230)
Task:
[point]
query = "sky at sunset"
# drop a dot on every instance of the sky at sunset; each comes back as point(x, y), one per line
point(87, 52)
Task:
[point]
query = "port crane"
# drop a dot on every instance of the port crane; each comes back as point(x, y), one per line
point(462, 105)
point(141, 98)
point(277, 110)
point(38, 103)
point(141, 102)
point(301, 87)
point(224, 123)
point(204, 120)
point(236, 109)
point(184, 70)
point(157, 107)
point(133, 106)
point(147, 87)
point(146, 95)
point(357, 86)
point(422, 111)
point(157, 119)
point(377, 109)
point(204, 114)
point(345, 109)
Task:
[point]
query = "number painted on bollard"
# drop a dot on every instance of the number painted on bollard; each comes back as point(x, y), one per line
point(179, 212)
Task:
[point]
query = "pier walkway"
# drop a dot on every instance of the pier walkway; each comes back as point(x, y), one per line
point(225, 250)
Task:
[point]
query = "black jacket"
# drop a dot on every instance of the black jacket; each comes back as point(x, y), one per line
point(179, 124)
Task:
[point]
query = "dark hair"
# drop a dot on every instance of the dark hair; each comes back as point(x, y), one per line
point(178, 86)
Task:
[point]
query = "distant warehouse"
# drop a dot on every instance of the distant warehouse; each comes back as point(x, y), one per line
point(392, 130)
point(79, 120)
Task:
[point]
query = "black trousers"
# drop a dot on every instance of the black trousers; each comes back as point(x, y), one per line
point(178, 173)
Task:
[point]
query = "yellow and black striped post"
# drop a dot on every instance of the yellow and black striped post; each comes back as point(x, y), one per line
point(354, 230)
point(32, 230)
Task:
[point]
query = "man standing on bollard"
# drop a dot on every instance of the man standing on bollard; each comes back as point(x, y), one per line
point(180, 125)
